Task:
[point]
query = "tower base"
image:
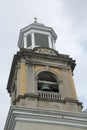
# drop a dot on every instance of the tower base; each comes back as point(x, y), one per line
point(23, 118)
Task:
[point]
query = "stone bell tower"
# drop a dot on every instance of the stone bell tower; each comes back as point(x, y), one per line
point(41, 83)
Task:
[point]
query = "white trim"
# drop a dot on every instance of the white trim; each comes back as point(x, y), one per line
point(53, 45)
point(33, 40)
point(48, 82)
point(46, 29)
point(52, 122)
point(32, 32)
point(36, 31)
point(49, 41)
point(25, 41)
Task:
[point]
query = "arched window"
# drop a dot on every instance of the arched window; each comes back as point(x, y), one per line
point(47, 81)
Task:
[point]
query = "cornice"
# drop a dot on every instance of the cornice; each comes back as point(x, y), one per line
point(31, 53)
point(57, 100)
point(45, 116)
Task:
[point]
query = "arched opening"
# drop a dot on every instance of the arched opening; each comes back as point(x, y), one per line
point(47, 81)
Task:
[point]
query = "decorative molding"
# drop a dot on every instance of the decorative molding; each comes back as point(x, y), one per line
point(56, 97)
point(47, 51)
point(72, 100)
point(34, 115)
point(46, 64)
point(47, 67)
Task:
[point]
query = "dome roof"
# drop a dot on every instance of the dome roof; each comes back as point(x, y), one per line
point(37, 27)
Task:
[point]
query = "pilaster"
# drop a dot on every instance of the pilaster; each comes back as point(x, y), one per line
point(23, 85)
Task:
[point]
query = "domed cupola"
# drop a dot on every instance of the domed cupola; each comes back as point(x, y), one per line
point(37, 35)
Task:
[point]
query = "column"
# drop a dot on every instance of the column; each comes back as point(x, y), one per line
point(54, 44)
point(30, 79)
point(33, 40)
point(25, 41)
point(49, 39)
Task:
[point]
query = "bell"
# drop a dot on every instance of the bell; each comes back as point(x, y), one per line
point(45, 87)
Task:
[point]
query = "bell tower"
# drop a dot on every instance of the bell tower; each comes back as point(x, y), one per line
point(41, 82)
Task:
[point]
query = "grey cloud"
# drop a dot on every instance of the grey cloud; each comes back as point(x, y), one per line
point(76, 11)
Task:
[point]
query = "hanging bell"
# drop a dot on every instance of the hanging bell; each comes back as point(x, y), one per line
point(45, 87)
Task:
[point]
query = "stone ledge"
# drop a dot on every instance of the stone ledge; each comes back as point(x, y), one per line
point(24, 114)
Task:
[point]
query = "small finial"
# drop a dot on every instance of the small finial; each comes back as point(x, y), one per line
point(35, 19)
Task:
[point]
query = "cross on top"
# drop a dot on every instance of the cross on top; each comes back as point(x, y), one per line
point(35, 19)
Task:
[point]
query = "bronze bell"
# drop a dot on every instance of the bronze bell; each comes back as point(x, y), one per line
point(45, 87)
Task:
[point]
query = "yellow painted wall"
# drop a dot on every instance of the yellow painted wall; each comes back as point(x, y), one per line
point(39, 68)
point(56, 70)
point(72, 84)
point(23, 85)
point(42, 67)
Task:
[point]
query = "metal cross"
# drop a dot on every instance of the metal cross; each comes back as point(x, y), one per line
point(35, 19)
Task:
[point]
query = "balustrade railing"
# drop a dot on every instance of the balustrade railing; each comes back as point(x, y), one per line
point(49, 95)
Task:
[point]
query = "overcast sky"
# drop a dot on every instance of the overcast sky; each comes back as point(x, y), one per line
point(69, 20)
